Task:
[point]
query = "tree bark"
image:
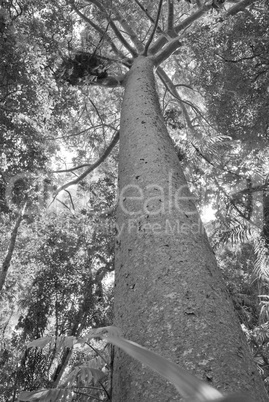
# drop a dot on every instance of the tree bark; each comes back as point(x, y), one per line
point(169, 293)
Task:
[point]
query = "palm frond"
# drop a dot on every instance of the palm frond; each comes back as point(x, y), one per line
point(261, 267)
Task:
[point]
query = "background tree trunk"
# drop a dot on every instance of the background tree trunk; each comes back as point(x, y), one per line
point(7, 260)
point(169, 294)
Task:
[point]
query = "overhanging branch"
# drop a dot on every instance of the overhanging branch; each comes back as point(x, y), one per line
point(98, 29)
point(91, 167)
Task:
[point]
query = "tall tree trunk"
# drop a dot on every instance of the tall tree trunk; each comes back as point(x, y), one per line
point(169, 294)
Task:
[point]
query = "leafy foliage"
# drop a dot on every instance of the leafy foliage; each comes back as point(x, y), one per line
point(186, 384)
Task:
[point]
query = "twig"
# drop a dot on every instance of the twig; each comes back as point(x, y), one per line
point(105, 391)
point(63, 203)
point(114, 27)
point(97, 352)
point(71, 200)
point(98, 114)
point(73, 135)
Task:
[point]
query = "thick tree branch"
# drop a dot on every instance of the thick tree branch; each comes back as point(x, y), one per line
point(91, 167)
point(170, 19)
point(184, 24)
point(138, 44)
point(159, 30)
point(167, 50)
point(240, 6)
point(154, 29)
point(194, 17)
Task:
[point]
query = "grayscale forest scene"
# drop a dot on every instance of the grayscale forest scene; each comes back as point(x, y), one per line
point(134, 200)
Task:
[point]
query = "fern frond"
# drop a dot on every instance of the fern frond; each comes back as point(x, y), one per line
point(236, 231)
